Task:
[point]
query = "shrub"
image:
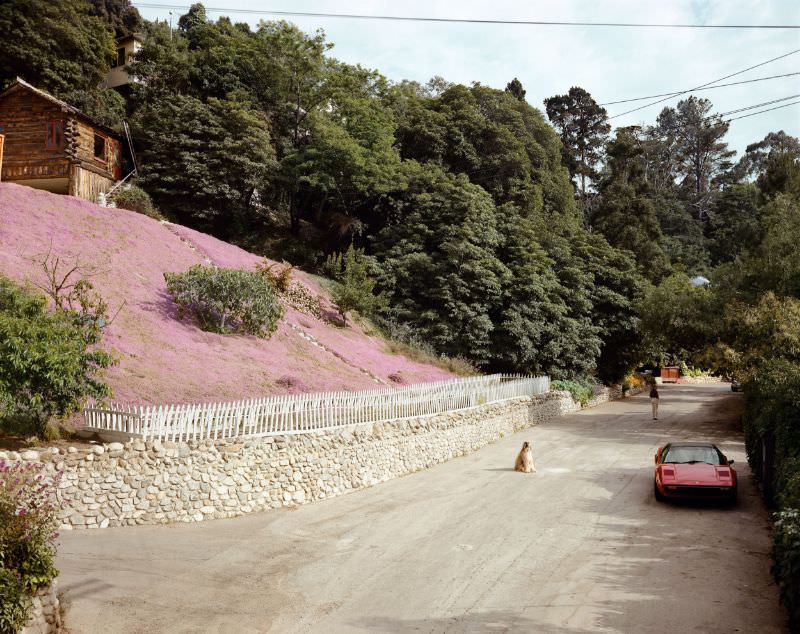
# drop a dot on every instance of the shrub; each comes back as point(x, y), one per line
point(633, 380)
point(355, 288)
point(226, 300)
point(28, 525)
point(136, 199)
point(581, 391)
point(48, 362)
point(786, 567)
point(279, 276)
point(15, 603)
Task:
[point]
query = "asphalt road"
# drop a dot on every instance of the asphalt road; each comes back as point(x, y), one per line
point(468, 546)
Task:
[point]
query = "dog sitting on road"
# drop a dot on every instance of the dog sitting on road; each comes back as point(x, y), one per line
point(524, 461)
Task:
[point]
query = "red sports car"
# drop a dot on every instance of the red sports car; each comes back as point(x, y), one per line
point(694, 470)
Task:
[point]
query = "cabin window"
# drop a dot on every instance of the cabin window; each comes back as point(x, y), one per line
point(121, 56)
point(100, 147)
point(55, 135)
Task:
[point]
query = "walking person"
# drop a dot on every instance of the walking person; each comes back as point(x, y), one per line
point(654, 401)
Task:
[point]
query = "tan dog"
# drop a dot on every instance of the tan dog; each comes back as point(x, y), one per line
point(524, 461)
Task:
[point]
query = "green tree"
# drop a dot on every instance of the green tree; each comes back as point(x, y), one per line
point(104, 105)
point(515, 88)
point(439, 269)
point(355, 288)
point(49, 361)
point(204, 162)
point(583, 126)
point(120, 15)
point(757, 155)
point(57, 46)
point(678, 319)
point(624, 212)
point(349, 161)
point(162, 67)
point(735, 223)
point(615, 288)
point(700, 154)
point(530, 317)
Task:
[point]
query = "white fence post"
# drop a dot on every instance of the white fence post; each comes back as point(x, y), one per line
point(304, 413)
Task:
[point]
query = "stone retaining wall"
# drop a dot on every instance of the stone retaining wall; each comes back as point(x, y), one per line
point(45, 612)
point(159, 482)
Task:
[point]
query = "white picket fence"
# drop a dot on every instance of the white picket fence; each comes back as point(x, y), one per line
point(304, 413)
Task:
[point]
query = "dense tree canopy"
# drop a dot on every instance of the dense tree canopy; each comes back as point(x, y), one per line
point(462, 198)
point(57, 46)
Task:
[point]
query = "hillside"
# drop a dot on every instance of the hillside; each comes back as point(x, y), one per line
point(163, 359)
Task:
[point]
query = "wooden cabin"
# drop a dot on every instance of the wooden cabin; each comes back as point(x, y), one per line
point(54, 146)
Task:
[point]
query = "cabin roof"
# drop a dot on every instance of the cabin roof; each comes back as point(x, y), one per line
point(21, 84)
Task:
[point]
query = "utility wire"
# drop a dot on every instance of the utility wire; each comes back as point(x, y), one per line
point(759, 105)
point(647, 105)
point(672, 94)
point(403, 18)
point(753, 114)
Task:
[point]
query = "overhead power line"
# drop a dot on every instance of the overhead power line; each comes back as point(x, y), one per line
point(681, 92)
point(759, 105)
point(404, 18)
point(753, 114)
point(653, 103)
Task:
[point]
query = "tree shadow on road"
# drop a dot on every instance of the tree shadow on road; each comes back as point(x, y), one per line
point(470, 623)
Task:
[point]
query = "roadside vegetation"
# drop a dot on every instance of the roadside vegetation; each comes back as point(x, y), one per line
point(50, 357)
point(28, 523)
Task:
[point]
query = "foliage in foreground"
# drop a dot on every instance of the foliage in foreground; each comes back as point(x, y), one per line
point(226, 300)
point(786, 556)
point(49, 362)
point(28, 525)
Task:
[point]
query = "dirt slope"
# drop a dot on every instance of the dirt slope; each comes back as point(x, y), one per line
point(162, 359)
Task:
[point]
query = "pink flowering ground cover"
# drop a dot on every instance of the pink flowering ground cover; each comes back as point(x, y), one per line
point(162, 359)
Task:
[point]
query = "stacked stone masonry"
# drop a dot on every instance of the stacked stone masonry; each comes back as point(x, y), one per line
point(161, 482)
point(45, 612)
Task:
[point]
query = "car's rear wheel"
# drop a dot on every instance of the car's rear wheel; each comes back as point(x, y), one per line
point(658, 494)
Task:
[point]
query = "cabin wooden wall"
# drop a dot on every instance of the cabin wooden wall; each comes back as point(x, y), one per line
point(81, 151)
point(24, 118)
point(87, 184)
point(71, 166)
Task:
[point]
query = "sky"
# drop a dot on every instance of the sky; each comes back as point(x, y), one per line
point(611, 63)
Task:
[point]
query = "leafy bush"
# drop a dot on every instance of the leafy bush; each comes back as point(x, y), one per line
point(355, 288)
point(633, 380)
point(786, 567)
point(226, 300)
point(279, 276)
point(136, 199)
point(15, 603)
point(28, 525)
point(688, 370)
point(581, 390)
point(48, 361)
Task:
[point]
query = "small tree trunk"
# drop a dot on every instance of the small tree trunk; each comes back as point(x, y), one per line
point(294, 218)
